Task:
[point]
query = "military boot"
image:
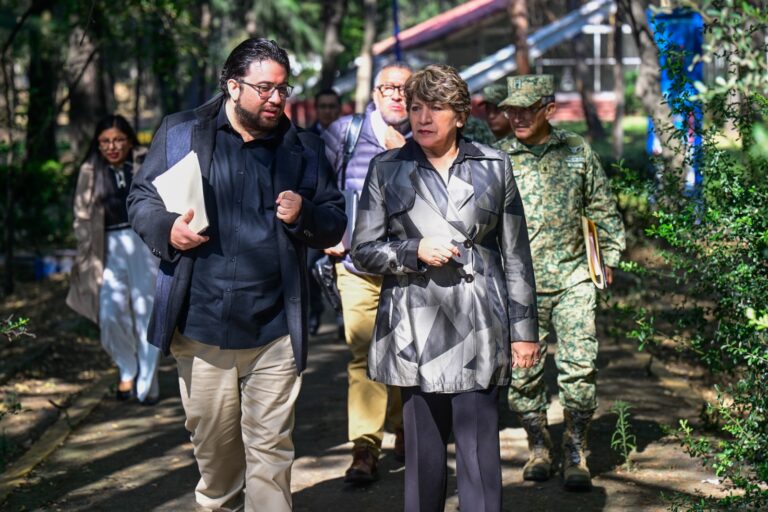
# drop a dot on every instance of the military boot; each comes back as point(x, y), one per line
point(576, 475)
point(539, 465)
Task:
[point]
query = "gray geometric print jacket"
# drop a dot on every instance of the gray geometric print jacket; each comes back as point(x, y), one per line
point(446, 329)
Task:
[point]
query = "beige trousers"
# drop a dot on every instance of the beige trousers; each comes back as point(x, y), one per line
point(367, 400)
point(240, 413)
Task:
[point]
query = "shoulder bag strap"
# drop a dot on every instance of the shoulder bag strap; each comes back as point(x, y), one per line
point(351, 137)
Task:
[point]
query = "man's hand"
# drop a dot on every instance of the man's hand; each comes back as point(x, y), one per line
point(183, 238)
point(336, 251)
point(436, 251)
point(608, 275)
point(525, 354)
point(393, 138)
point(288, 206)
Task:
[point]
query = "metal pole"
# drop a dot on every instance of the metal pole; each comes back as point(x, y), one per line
point(396, 32)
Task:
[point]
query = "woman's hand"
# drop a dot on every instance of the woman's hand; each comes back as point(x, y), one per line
point(436, 251)
point(525, 354)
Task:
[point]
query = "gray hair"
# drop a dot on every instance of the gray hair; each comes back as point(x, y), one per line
point(395, 65)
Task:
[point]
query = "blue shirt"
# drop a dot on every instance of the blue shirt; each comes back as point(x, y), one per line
point(236, 294)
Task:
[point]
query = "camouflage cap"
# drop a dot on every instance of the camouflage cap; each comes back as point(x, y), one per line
point(525, 90)
point(494, 94)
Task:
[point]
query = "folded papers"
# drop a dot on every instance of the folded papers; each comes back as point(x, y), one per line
point(181, 189)
point(594, 256)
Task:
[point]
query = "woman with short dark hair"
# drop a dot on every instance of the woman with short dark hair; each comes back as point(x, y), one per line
point(113, 277)
point(441, 220)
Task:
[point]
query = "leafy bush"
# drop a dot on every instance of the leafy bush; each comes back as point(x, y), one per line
point(42, 205)
point(632, 104)
point(718, 251)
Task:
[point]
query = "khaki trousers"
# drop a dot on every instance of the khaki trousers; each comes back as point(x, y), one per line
point(240, 413)
point(367, 400)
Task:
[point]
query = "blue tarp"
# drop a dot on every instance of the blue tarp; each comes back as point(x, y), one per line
point(680, 30)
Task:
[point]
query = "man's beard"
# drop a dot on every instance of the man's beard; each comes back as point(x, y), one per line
point(252, 122)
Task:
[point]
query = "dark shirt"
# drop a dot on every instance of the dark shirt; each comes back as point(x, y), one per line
point(236, 294)
point(118, 183)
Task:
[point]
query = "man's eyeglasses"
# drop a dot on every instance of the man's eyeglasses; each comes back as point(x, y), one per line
point(118, 142)
point(523, 113)
point(266, 90)
point(389, 89)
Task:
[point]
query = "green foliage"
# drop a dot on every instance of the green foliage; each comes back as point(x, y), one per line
point(15, 329)
point(623, 441)
point(632, 104)
point(717, 241)
point(42, 205)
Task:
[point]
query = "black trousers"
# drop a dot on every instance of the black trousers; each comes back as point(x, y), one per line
point(429, 418)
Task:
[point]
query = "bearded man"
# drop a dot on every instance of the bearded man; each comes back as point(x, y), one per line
point(231, 302)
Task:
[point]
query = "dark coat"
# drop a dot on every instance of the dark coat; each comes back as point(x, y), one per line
point(300, 165)
point(446, 329)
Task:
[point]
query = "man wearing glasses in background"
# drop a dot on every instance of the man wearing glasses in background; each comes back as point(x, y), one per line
point(383, 126)
point(560, 179)
point(231, 302)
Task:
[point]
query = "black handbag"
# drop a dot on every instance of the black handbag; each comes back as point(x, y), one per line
point(324, 272)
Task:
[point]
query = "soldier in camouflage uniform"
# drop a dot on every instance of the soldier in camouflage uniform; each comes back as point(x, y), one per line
point(477, 131)
point(494, 116)
point(560, 179)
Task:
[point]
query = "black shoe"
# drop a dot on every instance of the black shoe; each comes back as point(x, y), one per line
point(123, 396)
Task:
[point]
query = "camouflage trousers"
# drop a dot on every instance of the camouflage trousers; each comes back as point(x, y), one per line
point(571, 314)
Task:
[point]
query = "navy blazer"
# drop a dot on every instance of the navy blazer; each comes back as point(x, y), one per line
point(300, 165)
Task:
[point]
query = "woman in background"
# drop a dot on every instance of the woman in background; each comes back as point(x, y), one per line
point(113, 278)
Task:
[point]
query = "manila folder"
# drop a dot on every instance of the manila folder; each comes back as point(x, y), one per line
point(594, 256)
point(181, 188)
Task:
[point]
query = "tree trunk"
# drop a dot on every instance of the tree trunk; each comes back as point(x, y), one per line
point(618, 83)
point(165, 66)
point(137, 85)
point(518, 17)
point(197, 92)
point(9, 96)
point(334, 11)
point(365, 61)
point(41, 111)
point(87, 96)
point(10, 101)
point(648, 86)
point(582, 78)
point(206, 22)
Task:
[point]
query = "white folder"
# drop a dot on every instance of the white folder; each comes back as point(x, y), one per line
point(181, 188)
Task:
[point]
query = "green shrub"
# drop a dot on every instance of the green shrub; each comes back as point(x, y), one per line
point(718, 255)
point(42, 205)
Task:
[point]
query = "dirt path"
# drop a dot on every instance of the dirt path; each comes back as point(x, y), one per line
point(131, 457)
